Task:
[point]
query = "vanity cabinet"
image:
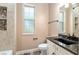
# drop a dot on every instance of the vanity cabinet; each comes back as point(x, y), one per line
point(54, 49)
point(51, 48)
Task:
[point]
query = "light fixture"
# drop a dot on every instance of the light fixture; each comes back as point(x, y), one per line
point(61, 4)
point(66, 5)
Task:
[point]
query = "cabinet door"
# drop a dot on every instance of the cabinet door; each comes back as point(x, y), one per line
point(65, 52)
point(50, 48)
point(62, 51)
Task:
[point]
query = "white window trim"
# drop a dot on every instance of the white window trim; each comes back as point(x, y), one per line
point(63, 21)
point(28, 5)
point(62, 9)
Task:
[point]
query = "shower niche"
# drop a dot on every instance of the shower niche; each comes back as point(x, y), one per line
point(3, 18)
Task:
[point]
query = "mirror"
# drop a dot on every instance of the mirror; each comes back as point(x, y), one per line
point(75, 14)
point(70, 19)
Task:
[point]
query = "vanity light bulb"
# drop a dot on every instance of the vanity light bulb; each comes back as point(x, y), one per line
point(66, 5)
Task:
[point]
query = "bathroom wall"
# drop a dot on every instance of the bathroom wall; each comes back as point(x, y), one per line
point(25, 41)
point(68, 20)
point(53, 15)
point(7, 37)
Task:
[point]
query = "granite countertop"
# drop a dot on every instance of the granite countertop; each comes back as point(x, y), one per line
point(73, 48)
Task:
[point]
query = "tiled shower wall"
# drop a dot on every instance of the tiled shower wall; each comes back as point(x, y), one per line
point(7, 37)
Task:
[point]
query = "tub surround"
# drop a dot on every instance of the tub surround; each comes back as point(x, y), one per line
point(7, 37)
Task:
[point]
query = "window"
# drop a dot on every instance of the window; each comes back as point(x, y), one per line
point(29, 19)
point(61, 22)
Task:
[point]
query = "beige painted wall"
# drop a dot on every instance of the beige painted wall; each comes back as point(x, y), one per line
point(41, 27)
point(8, 37)
point(68, 20)
point(53, 15)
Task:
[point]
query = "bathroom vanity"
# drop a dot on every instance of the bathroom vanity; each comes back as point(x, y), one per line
point(57, 48)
